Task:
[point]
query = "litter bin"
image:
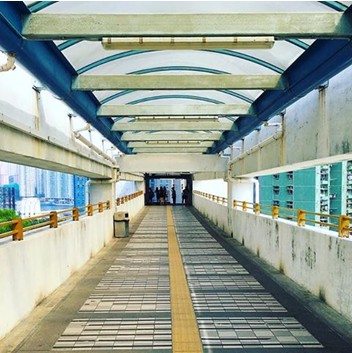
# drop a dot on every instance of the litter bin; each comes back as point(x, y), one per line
point(121, 225)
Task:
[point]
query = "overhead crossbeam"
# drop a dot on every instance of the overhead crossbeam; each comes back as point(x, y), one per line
point(178, 82)
point(174, 144)
point(97, 26)
point(187, 43)
point(171, 136)
point(175, 110)
point(173, 125)
point(170, 150)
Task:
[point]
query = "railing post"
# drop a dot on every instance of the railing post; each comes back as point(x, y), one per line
point(90, 210)
point(217, 199)
point(244, 205)
point(108, 205)
point(344, 227)
point(257, 208)
point(53, 219)
point(75, 214)
point(275, 212)
point(100, 207)
point(118, 202)
point(234, 204)
point(17, 228)
point(301, 218)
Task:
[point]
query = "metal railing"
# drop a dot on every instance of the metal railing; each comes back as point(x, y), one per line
point(52, 219)
point(342, 225)
point(218, 199)
point(123, 199)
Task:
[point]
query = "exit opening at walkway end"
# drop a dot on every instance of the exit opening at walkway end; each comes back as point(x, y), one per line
point(175, 189)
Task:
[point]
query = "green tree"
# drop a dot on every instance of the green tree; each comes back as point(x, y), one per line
point(6, 215)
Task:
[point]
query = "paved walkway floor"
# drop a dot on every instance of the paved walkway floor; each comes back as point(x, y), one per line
point(122, 302)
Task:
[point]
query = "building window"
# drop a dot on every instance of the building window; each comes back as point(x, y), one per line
point(289, 204)
point(276, 189)
point(289, 189)
point(289, 175)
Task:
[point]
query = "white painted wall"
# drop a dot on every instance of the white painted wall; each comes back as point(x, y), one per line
point(314, 258)
point(316, 131)
point(216, 187)
point(33, 268)
point(132, 207)
point(217, 213)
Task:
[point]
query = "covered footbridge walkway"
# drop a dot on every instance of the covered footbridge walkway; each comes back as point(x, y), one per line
point(178, 284)
point(217, 93)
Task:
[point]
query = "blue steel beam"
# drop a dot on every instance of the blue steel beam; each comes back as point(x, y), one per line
point(47, 63)
point(40, 5)
point(323, 60)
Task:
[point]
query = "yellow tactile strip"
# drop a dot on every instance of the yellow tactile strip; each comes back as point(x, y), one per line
point(185, 333)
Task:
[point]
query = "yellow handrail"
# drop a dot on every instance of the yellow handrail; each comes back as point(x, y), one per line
point(342, 227)
point(217, 199)
point(50, 219)
point(123, 199)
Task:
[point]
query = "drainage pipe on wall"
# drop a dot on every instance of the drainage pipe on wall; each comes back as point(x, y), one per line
point(10, 64)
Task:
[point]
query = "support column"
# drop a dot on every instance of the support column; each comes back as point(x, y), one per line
point(245, 189)
point(229, 205)
point(240, 189)
point(101, 190)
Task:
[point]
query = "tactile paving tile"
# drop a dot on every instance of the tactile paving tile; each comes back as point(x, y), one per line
point(221, 288)
point(233, 309)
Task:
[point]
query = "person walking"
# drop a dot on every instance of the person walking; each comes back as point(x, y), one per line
point(173, 195)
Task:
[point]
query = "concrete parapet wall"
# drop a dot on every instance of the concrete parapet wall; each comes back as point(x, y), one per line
point(314, 133)
point(132, 206)
point(314, 258)
point(33, 268)
point(215, 212)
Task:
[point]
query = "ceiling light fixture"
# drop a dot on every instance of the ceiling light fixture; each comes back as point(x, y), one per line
point(186, 43)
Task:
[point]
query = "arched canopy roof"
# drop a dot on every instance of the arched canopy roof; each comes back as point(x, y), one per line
point(197, 98)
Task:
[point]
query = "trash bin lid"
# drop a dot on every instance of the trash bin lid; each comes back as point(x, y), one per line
point(120, 216)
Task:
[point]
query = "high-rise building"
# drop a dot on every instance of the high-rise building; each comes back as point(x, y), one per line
point(7, 197)
point(58, 186)
point(349, 188)
point(27, 181)
point(80, 190)
point(325, 189)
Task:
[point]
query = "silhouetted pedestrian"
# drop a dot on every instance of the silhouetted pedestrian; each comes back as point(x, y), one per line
point(173, 195)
